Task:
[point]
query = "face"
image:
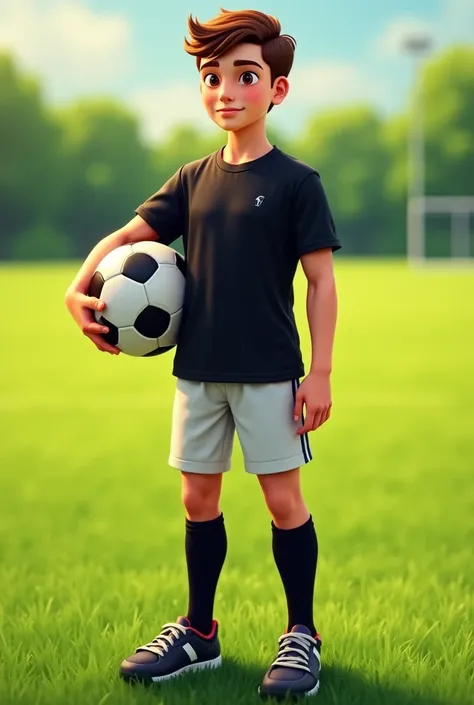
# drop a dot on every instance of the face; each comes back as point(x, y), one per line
point(236, 88)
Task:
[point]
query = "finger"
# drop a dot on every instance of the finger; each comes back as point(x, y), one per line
point(103, 345)
point(326, 415)
point(88, 323)
point(318, 419)
point(308, 424)
point(298, 407)
point(92, 302)
point(94, 327)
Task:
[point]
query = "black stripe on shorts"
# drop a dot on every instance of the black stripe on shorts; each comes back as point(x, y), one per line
point(305, 447)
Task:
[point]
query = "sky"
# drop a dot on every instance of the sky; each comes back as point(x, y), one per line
point(348, 51)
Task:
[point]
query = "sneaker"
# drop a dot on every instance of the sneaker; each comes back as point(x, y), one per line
point(176, 650)
point(295, 671)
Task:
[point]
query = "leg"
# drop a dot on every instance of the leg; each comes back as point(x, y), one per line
point(190, 643)
point(201, 447)
point(284, 499)
point(294, 543)
point(297, 666)
point(205, 545)
point(274, 452)
point(200, 495)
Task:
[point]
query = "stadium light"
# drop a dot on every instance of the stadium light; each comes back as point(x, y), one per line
point(417, 44)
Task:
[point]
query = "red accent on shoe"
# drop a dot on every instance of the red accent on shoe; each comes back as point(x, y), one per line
point(211, 634)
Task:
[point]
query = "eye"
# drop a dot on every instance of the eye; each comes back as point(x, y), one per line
point(211, 80)
point(249, 78)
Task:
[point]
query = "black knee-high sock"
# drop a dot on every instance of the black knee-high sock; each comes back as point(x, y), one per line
point(206, 548)
point(296, 556)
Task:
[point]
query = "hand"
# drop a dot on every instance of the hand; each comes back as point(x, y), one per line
point(81, 308)
point(315, 393)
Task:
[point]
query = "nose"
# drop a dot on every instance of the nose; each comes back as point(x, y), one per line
point(225, 93)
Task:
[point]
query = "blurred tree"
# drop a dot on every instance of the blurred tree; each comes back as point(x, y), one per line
point(447, 85)
point(447, 89)
point(109, 169)
point(346, 147)
point(448, 97)
point(30, 160)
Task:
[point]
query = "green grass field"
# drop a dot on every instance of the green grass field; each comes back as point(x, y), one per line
point(92, 528)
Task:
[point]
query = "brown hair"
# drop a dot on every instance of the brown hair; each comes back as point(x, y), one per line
point(230, 28)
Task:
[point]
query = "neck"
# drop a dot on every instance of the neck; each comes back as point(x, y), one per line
point(247, 144)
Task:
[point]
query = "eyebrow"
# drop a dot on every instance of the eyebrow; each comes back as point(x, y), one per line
point(238, 62)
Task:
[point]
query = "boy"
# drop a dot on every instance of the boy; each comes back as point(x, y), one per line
point(248, 214)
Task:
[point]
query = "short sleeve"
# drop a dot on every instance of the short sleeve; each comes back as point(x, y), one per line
point(312, 218)
point(164, 211)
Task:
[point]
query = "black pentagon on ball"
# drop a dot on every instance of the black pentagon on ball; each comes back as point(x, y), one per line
point(180, 263)
point(139, 267)
point(152, 322)
point(113, 335)
point(96, 284)
point(159, 351)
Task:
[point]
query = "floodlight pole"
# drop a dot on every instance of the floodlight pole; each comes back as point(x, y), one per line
point(416, 45)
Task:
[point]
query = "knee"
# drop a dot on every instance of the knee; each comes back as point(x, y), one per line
point(281, 504)
point(200, 496)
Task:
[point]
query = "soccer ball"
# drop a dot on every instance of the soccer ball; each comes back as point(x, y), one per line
point(142, 285)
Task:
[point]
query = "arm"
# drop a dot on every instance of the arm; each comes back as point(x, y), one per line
point(134, 231)
point(321, 309)
point(79, 304)
point(316, 240)
point(160, 217)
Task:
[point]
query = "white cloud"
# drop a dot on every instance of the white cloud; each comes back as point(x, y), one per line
point(71, 47)
point(161, 109)
point(454, 23)
point(323, 83)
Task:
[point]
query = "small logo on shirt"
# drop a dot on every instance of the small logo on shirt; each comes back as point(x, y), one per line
point(259, 200)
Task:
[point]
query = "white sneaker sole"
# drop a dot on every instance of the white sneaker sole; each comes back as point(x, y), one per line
point(213, 663)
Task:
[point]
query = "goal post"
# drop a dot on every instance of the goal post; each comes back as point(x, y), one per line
point(460, 208)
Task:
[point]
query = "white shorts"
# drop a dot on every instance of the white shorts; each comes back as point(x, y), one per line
point(207, 414)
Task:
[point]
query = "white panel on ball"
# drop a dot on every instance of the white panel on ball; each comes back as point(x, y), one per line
point(162, 253)
point(131, 342)
point(171, 335)
point(165, 288)
point(113, 262)
point(124, 300)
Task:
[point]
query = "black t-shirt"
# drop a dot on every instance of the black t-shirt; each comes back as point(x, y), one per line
point(244, 228)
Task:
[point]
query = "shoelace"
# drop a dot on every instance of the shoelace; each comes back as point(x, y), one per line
point(166, 638)
point(290, 655)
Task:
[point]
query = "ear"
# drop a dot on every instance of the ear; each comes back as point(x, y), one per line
point(281, 88)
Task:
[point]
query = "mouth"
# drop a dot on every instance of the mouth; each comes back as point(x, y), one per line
point(230, 110)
